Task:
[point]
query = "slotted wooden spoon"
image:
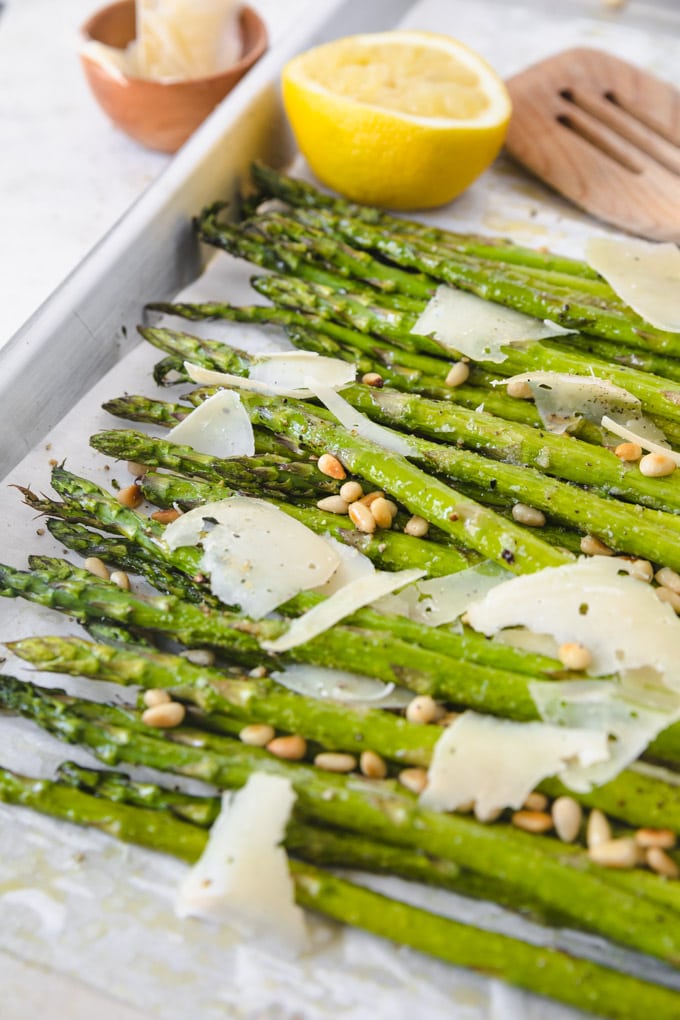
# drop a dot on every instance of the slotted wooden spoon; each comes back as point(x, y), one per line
point(603, 133)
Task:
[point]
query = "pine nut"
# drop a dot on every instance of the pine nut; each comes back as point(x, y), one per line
point(335, 761)
point(592, 546)
point(136, 469)
point(372, 379)
point(536, 802)
point(422, 709)
point(665, 839)
point(641, 569)
point(333, 505)
point(131, 496)
point(156, 696)
point(291, 748)
point(567, 817)
point(532, 821)
point(416, 526)
point(199, 656)
point(574, 656)
point(164, 715)
point(628, 451)
point(371, 497)
point(414, 779)
point(362, 518)
point(372, 765)
point(165, 516)
point(657, 465)
point(393, 508)
point(331, 466)
point(660, 862)
point(97, 567)
point(457, 374)
point(668, 578)
point(528, 515)
point(447, 719)
point(671, 597)
point(257, 734)
point(382, 512)
point(351, 491)
point(120, 578)
point(598, 829)
point(520, 389)
point(615, 853)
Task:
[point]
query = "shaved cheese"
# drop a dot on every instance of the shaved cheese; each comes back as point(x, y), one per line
point(359, 424)
point(644, 274)
point(640, 436)
point(496, 763)
point(351, 567)
point(281, 373)
point(466, 324)
point(219, 427)
point(341, 685)
point(242, 877)
point(343, 603)
point(441, 600)
point(596, 603)
point(630, 717)
point(562, 400)
point(256, 555)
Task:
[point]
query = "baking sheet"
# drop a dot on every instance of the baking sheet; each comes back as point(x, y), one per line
point(80, 904)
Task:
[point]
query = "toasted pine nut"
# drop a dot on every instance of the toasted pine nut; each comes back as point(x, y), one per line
point(382, 512)
point(131, 496)
point(257, 734)
point(663, 838)
point(660, 862)
point(668, 578)
point(120, 578)
point(166, 516)
point(657, 465)
point(291, 748)
point(335, 761)
point(331, 466)
point(371, 497)
point(136, 469)
point(457, 374)
point(567, 817)
point(616, 853)
point(536, 802)
point(671, 597)
point(414, 779)
point(598, 829)
point(362, 518)
point(156, 696)
point(333, 505)
point(574, 656)
point(164, 715)
point(532, 821)
point(372, 379)
point(422, 709)
point(97, 567)
point(592, 546)
point(372, 765)
point(199, 656)
point(519, 389)
point(351, 491)
point(628, 451)
point(393, 508)
point(641, 569)
point(446, 720)
point(416, 526)
point(528, 515)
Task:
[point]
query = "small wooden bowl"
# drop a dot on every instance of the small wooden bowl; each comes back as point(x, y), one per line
point(161, 115)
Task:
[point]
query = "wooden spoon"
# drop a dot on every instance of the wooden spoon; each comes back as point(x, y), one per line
point(603, 133)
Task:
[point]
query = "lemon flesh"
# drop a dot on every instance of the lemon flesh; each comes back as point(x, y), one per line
point(398, 119)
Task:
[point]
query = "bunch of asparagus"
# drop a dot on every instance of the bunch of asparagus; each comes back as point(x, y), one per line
point(349, 282)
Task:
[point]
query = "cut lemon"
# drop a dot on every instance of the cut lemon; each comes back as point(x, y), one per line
point(400, 119)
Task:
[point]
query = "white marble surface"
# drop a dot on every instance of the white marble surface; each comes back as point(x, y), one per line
point(66, 173)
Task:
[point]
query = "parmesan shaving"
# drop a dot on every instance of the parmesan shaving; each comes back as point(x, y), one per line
point(441, 600)
point(466, 324)
point(351, 567)
point(256, 555)
point(640, 436)
point(219, 427)
point(242, 877)
point(644, 274)
point(496, 763)
point(343, 603)
point(210, 377)
point(562, 400)
point(281, 373)
point(359, 424)
point(341, 685)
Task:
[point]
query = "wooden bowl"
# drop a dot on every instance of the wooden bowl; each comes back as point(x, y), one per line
point(161, 115)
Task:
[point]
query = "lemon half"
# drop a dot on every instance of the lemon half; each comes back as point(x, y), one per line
point(401, 119)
